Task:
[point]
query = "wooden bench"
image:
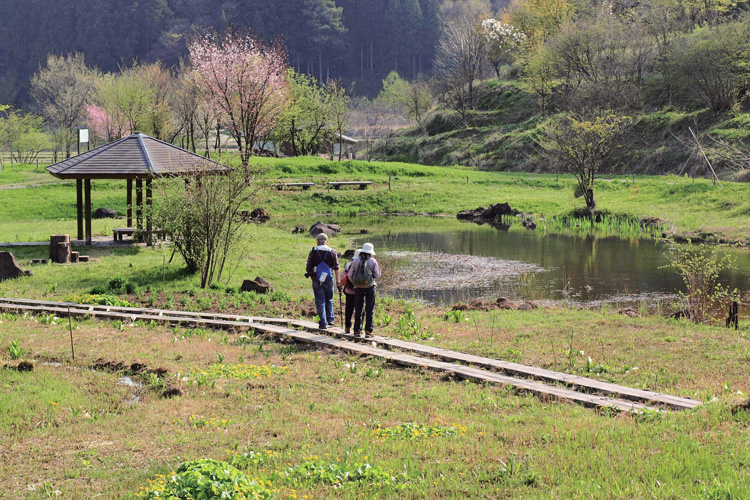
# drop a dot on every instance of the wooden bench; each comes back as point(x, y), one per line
point(304, 185)
point(130, 231)
point(338, 184)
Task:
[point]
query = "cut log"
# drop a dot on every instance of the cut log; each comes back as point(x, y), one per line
point(59, 248)
point(74, 257)
point(83, 258)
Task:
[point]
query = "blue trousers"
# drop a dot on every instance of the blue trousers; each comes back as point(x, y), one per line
point(364, 299)
point(324, 301)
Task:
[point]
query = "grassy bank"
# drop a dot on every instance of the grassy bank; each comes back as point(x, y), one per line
point(688, 207)
point(500, 134)
point(70, 430)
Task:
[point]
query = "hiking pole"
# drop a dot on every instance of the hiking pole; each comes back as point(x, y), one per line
point(341, 309)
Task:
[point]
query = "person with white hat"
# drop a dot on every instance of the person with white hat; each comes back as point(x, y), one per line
point(363, 272)
point(348, 290)
point(322, 265)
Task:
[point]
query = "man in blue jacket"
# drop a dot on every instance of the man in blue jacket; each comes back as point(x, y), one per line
point(323, 268)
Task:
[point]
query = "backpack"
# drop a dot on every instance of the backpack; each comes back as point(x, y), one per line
point(323, 271)
point(362, 277)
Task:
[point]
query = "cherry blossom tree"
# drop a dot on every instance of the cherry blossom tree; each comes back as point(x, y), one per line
point(503, 41)
point(104, 125)
point(245, 82)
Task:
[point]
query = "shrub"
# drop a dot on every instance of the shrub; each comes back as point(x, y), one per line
point(100, 300)
point(116, 284)
point(207, 479)
point(700, 267)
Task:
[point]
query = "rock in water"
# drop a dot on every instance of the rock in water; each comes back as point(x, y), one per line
point(258, 285)
point(529, 224)
point(9, 268)
point(482, 215)
point(329, 229)
point(104, 213)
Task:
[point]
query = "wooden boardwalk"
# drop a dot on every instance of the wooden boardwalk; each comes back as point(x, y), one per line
point(544, 383)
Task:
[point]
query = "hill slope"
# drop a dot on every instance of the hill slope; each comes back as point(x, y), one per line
point(500, 135)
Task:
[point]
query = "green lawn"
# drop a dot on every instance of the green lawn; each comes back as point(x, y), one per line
point(32, 214)
point(67, 429)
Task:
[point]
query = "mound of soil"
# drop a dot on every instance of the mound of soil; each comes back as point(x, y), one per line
point(501, 303)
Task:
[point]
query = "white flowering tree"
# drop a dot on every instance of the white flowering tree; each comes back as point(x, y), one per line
point(503, 42)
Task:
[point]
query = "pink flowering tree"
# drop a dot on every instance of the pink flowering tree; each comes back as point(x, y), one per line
point(104, 125)
point(246, 84)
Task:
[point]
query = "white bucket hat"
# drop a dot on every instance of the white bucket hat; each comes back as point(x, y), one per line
point(368, 248)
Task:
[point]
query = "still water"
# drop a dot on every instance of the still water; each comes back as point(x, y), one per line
point(584, 269)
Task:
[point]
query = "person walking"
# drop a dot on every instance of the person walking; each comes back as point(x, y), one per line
point(362, 274)
point(346, 286)
point(323, 268)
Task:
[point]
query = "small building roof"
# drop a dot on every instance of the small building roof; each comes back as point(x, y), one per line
point(347, 139)
point(137, 156)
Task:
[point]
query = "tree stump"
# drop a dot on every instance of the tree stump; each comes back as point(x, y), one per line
point(74, 257)
point(59, 248)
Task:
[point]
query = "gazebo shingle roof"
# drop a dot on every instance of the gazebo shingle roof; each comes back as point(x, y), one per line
point(136, 156)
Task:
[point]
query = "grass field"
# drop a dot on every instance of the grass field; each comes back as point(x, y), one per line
point(31, 214)
point(69, 432)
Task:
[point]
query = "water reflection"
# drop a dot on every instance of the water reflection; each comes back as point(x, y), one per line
point(580, 268)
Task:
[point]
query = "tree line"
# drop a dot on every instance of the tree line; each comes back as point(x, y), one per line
point(349, 40)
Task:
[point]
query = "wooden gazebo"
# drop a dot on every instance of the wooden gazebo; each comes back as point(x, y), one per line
point(138, 158)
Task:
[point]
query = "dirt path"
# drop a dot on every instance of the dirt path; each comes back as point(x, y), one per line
point(38, 184)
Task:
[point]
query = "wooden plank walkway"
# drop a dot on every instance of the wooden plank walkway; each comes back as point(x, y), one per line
point(439, 359)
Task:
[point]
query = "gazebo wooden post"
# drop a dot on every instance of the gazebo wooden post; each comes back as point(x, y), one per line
point(130, 202)
point(88, 211)
point(79, 207)
point(139, 204)
point(149, 204)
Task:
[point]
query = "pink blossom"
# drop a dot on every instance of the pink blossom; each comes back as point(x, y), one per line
point(103, 125)
point(245, 83)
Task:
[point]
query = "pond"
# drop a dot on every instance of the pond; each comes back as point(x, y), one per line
point(518, 263)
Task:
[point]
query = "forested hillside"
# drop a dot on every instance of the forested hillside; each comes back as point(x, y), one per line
point(353, 40)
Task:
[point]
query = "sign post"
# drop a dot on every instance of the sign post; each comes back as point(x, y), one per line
point(83, 136)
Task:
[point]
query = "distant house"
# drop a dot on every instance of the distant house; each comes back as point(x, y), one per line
point(329, 147)
point(343, 143)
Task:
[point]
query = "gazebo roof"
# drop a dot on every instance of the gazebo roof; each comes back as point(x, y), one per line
point(137, 156)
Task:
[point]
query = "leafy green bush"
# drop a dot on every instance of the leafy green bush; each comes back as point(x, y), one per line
point(116, 284)
point(700, 267)
point(100, 300)
point(208, 480)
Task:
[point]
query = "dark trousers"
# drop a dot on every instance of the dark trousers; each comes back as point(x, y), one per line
point(364, 298)
point(349, 311)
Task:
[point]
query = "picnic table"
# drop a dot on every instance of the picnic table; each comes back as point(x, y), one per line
point(118, 233)
point(338, 184)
